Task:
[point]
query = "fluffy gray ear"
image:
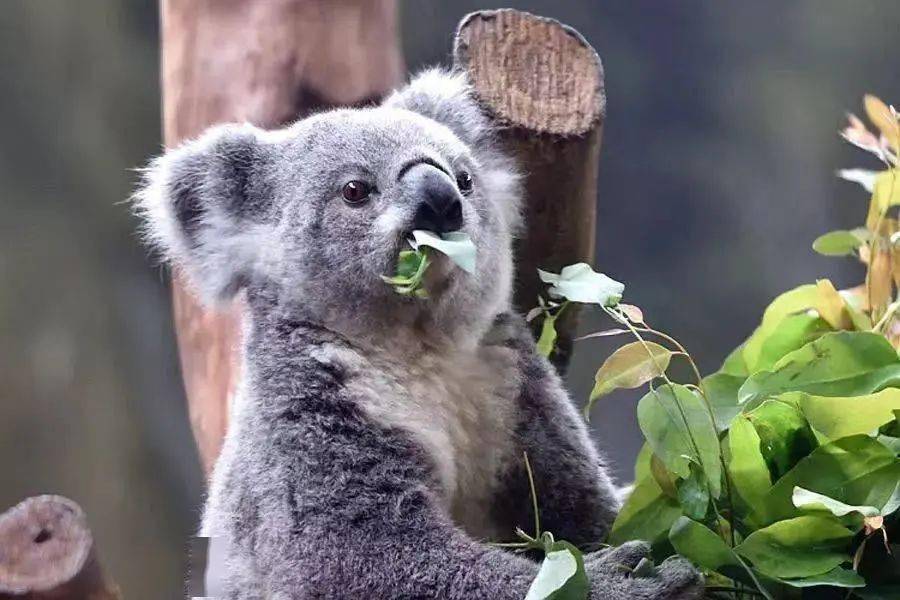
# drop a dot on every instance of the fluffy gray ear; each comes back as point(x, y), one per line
point(207, 207)
point(447, 98)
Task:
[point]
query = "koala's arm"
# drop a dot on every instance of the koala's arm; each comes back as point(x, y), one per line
point(577, 500)
point(324, 503)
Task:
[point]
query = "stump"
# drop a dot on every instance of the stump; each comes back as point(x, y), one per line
point(47, 553)
point(543, 84)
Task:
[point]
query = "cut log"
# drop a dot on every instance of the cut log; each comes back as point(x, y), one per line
point(543, 83)
point(47, 553)
point(267, 62)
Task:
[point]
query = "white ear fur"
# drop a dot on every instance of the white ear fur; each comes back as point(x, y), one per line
point(447, 97)
point(187, 218)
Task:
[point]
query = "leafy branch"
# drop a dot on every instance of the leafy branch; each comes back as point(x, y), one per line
point(774, 473)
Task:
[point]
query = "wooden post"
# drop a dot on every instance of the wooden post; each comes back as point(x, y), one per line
point(47, 553)
point(267, 62)
point(543, 83)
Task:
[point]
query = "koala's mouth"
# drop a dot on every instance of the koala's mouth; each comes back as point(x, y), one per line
point(439, 275)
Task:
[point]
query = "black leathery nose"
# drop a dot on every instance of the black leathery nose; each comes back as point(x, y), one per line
point(440, 208)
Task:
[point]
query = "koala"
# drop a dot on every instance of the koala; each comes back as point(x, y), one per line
point(375, 447)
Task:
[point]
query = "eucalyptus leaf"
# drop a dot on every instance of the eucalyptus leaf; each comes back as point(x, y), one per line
point(561, 576)
point(703, 547)
point(838, 243)
point(809, 500)
point(792, 333)
point(456, 245)
point(631, 366)
point(843, 363)
point(846, 469)
point(878, 489)
point(863, 177)
point(670, 418)
point(893, 502)
point(837, 577)
point(646, 515)
point(580, 283)
point(664, 479)
point(693, 494)
point(797, 300)
point(785, 436)
point(408, 263)
point(722, 392)
point(411, 266)
point(893, 443)
point(642, 464)
point(831, 306)
point(799, 547)
point(734, 364)
point(746, 465)
point(885, 194)
point(547, 340)
point(837, 417)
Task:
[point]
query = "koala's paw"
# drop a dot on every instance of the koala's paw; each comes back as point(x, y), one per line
point(613, 575)
point(509, 330)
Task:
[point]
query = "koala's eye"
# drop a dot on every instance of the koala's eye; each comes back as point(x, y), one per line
point(464, 182)
point(356, 192)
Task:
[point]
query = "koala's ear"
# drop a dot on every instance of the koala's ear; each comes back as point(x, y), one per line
point(207, 206)
point(447, 98)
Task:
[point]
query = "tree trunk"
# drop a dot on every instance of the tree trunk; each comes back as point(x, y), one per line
point(543, 83)
point(47, 553)
point(268, 62)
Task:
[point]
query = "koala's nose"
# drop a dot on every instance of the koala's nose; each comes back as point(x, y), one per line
point(439, 207)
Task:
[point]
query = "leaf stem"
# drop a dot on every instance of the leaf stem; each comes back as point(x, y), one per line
point(705, 397)
point(534, 502)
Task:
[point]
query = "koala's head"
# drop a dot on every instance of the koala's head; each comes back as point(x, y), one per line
point(310, 217)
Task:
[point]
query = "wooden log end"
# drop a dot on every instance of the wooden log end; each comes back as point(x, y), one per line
point(47, 551)
point(532, 72)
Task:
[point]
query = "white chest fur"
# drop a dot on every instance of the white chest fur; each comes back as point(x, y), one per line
point(460, 407)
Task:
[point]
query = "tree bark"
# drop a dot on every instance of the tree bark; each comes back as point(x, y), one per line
point(543, 83)
point(47, 553)
point(267, 62)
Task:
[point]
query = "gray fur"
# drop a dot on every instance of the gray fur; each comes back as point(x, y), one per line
point(376, 443)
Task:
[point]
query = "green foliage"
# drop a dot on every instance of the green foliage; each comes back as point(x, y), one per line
point(412, 264)
point(746, 464)
point(779, 472)
point(647, 515)
point(562, 575)
point(631, 366)
point(680, 431)
point(580, 283)
point(836, 364)
point(841, 243)
point(800, 547)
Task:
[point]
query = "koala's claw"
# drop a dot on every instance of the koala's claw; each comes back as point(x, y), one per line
point(683, 580)
point(610, 572)
point(622, 558)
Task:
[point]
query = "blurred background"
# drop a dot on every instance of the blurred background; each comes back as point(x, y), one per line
point(716, 175)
